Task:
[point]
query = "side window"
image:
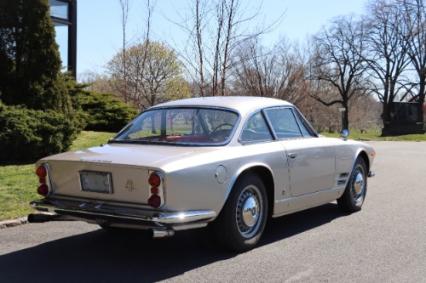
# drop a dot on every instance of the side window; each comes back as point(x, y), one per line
point(283, 122)
point(256, 129)
point(303, 125)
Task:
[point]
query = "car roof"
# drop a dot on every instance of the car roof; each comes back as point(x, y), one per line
point(242, 104)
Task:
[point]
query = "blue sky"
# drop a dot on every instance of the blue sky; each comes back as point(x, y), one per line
point(99, 27)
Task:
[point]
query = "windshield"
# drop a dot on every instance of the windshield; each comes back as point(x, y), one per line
point(194, 126)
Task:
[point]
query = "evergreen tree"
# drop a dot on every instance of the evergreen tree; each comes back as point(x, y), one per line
point(29, 58)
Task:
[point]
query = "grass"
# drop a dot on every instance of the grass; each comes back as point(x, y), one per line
point(17, 187)
point(374, 135)
point(88, 139)
point(18, 183)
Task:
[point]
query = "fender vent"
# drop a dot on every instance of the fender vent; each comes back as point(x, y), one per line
point(342, 179)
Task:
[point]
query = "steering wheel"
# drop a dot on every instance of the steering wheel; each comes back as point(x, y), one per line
point(220, 126)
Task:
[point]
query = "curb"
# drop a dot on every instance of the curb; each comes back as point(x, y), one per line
point(13, 222)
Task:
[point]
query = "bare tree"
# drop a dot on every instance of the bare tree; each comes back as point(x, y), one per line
point(415, 19)
point(146, 38)
point(153, 70)
point(225, 12)
point(98, 83)
point(216, 29)
point(275, 73)
point(231, 9)
point(124, 5)
point(387, 54)
point(338, 60)
point(199, 14)
point(122, 79)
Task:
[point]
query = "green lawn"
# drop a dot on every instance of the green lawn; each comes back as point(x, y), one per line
point(374, 135)
point(18, 183)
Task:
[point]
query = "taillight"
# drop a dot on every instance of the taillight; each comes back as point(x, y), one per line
point(154, 201)
point(154, 180)
point(156, 190)
point(43, 188)
point(41, 171)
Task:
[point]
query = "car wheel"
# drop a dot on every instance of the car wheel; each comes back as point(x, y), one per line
point(243, 218)
point(356, 189)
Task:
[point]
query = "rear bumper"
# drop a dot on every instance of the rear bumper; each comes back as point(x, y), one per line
point(120, 216)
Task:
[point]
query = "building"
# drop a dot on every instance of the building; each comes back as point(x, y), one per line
point(64, 17)
point(406, 118)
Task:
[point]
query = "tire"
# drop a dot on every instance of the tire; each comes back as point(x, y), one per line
point(356, 189)
point(242, 220)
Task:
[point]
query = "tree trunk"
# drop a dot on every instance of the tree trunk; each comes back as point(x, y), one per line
point(345, 117)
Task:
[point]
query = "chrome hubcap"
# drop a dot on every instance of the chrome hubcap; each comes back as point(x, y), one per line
point(358, 183)
point(249, 211)
point(358, 186)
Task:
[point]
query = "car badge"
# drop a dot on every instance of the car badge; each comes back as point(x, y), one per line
point(130, 186)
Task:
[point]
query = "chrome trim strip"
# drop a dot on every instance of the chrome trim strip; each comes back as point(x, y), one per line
point(119, 212)
point(183, 217)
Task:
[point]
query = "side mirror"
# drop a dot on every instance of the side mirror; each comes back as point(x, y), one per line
point(344, 134)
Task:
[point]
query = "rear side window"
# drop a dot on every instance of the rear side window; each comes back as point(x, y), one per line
point(283, 123)
point(304, 126)
point(256, 129)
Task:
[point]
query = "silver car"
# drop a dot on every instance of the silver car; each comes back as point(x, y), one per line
point(227, 162)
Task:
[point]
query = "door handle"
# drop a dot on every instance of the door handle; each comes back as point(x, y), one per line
point(292, 155)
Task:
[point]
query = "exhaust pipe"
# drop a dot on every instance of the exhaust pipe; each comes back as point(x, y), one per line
point(156, 234)
point(41, 217)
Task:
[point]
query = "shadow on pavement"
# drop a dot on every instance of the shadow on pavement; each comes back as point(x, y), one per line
point(132, 256)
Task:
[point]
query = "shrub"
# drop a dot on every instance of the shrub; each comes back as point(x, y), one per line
point(30, 68)
point(27, 135)
point(104, 112)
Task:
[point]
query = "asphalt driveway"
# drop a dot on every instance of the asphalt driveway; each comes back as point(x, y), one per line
point(385, 242)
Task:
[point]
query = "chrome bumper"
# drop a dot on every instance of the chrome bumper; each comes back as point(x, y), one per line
point(117, 215)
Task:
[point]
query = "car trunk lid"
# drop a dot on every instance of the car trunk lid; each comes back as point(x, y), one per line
point(128, 166)
point(127, 183)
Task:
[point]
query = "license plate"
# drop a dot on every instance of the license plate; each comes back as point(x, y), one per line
point(98, 182)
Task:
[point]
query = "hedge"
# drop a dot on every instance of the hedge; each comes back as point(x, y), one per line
point(105, 112)
point(27, 135)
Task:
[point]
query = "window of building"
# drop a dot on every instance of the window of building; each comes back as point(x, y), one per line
point(64, 17)
point(59, 9)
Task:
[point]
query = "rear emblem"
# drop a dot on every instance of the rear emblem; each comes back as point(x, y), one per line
point(130, 186)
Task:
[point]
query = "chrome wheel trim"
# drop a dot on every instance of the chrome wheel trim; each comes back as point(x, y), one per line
point(358, 186)
point(249, 211)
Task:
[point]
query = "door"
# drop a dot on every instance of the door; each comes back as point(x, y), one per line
point(311, 161)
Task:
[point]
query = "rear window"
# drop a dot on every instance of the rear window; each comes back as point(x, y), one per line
point(198, 126)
